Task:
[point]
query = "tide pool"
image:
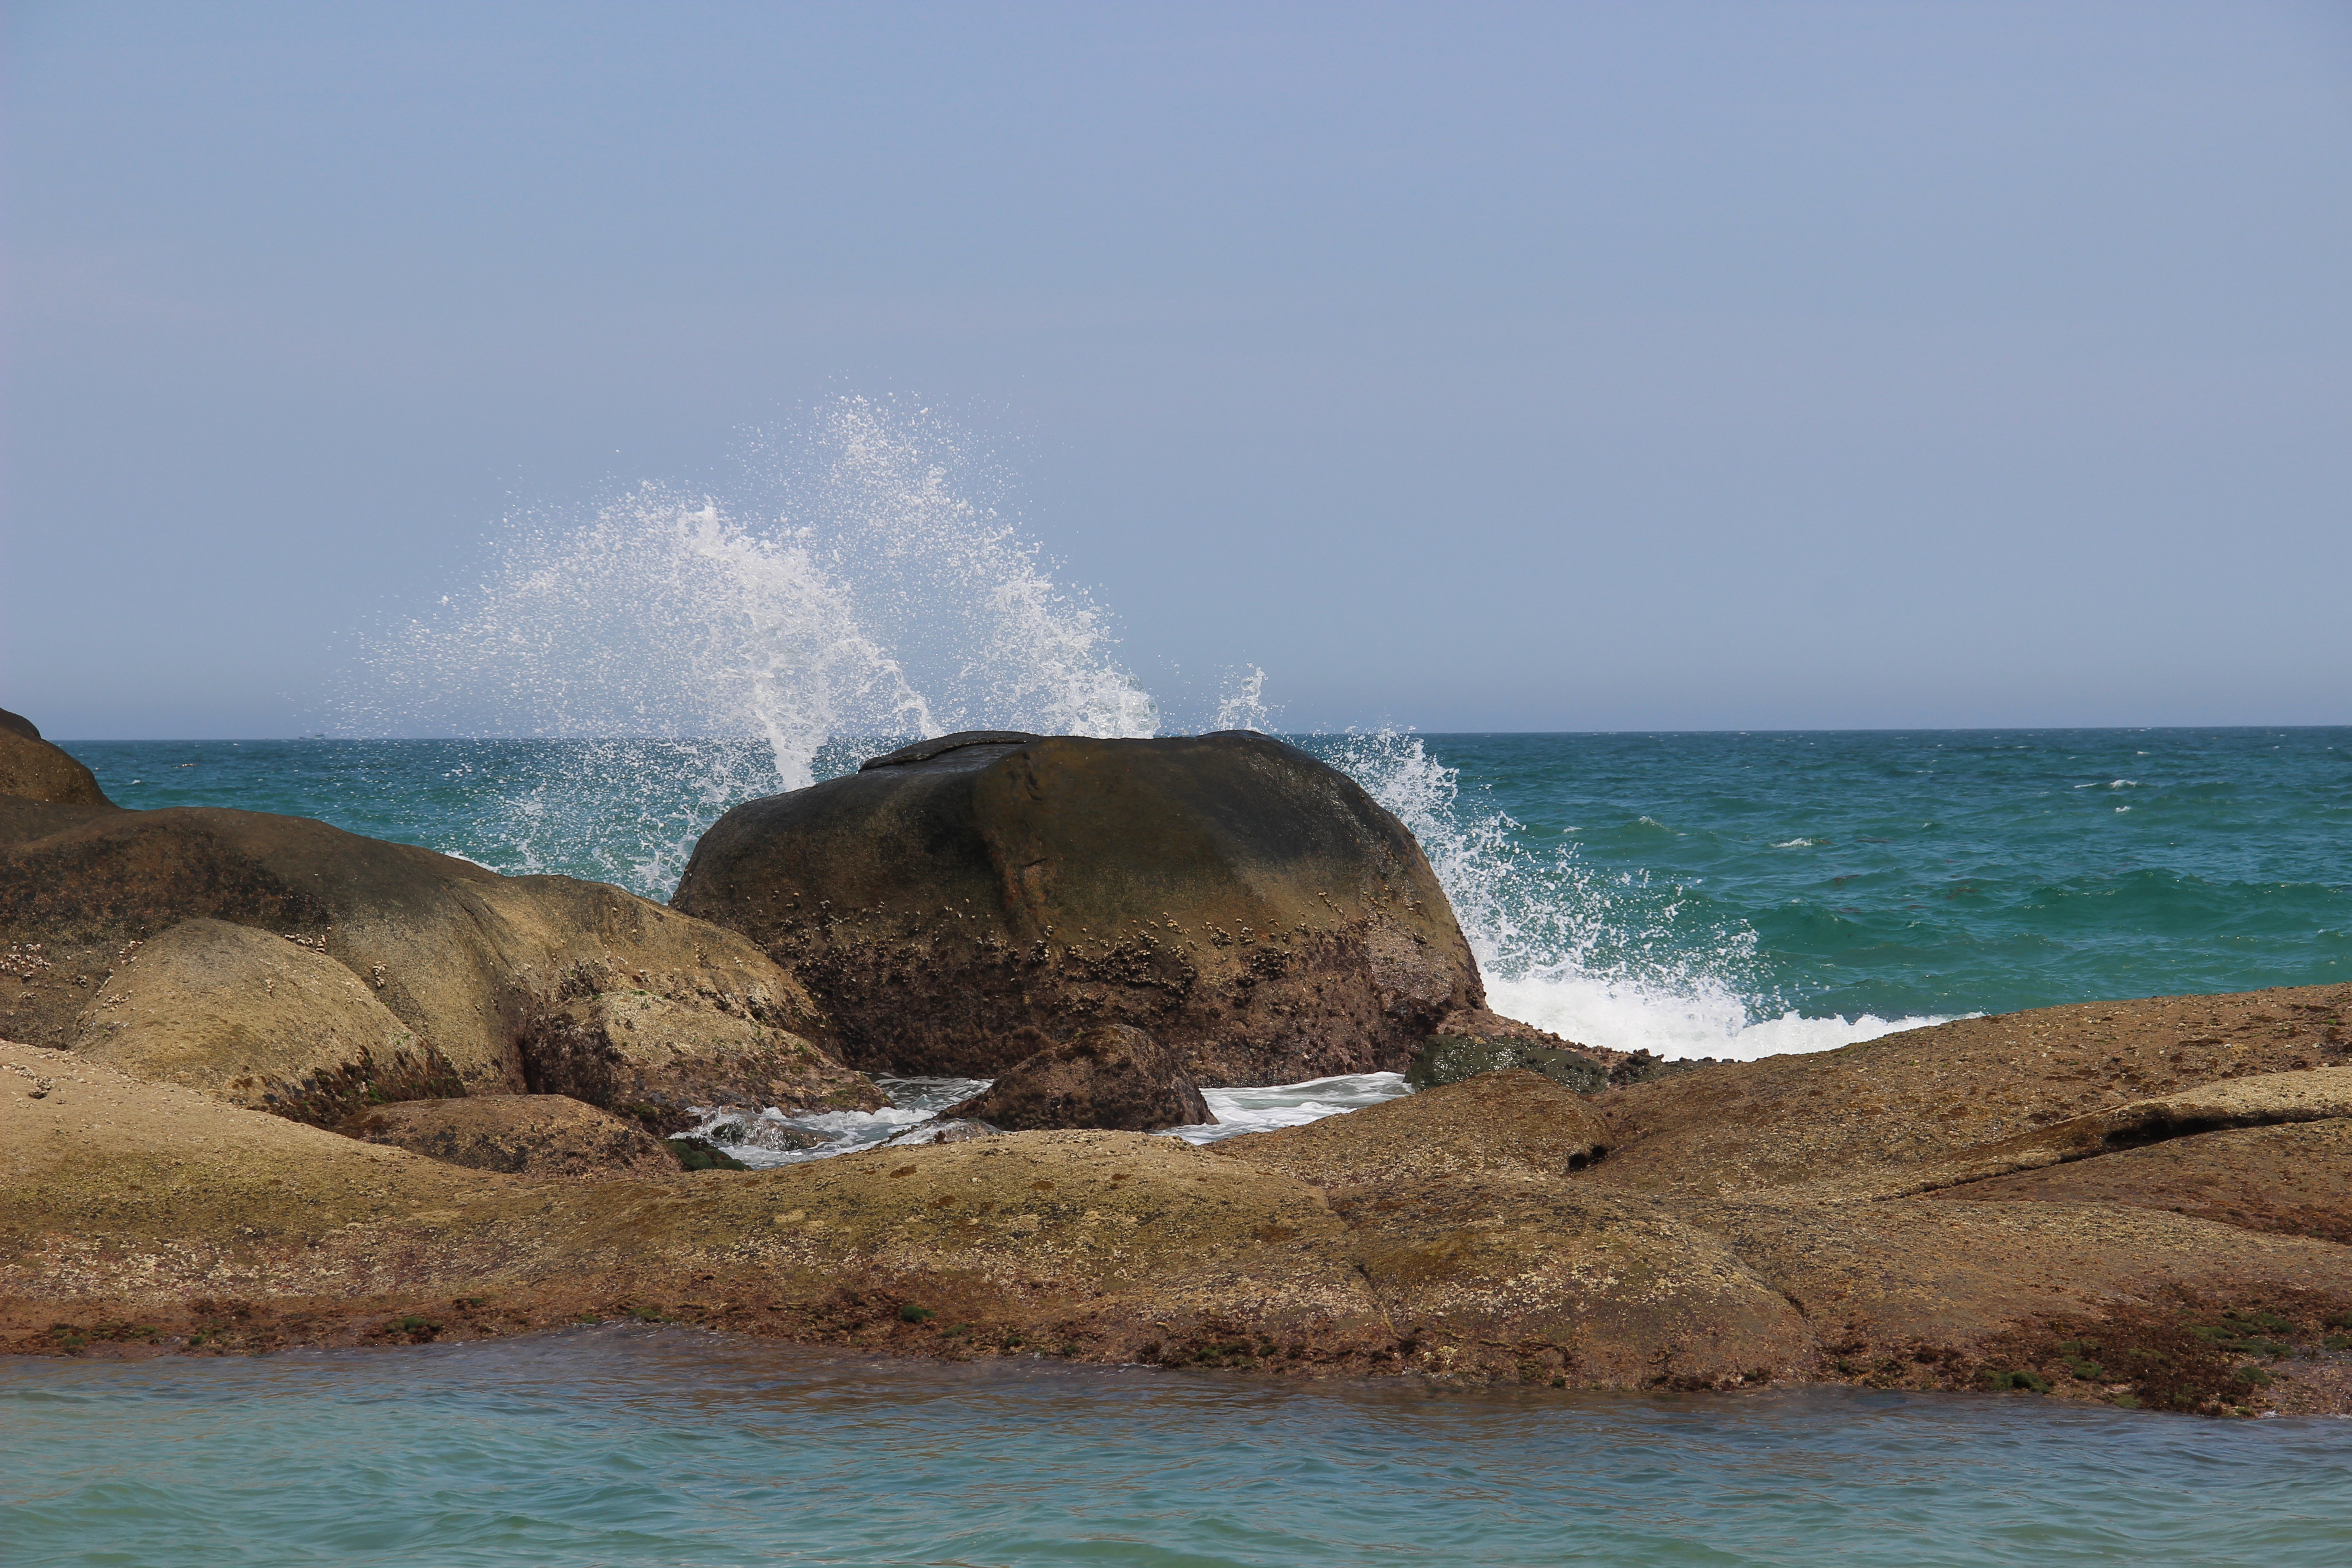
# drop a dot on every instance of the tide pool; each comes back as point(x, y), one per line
point(630, 1446)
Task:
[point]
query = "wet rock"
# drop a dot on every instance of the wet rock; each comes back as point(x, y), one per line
point(700, 1154)
point(33, 769)
point(1110, 1075)
point(258, 1021)
point(1451, 1058)
point(1474, 1041)
point(962, 1130)
point(1251, 908)
point(524, 1134)
point(481, 968)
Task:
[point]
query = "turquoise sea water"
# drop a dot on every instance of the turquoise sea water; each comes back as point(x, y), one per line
point(625, 1448)
point(1699, 894)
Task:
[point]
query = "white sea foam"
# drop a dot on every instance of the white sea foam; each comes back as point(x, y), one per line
point(1617, 962)
point(769, 1138)
point(1240, 1110)
point(863, 582)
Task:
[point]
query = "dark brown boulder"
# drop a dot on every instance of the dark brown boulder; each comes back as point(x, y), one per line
point(1250, 907)
point(1111, 1076)
point(33, 769)
point(483, 970)
point(524, 1134)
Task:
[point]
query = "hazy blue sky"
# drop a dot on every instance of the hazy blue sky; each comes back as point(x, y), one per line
point(1575, 366)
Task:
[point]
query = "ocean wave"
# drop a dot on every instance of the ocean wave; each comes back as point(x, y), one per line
point(1604, 961)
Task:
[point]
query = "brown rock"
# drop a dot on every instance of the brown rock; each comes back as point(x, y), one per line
point(523, 1134)
point(1515, 1121)
point(659, 1060)
point(482, 968)
point(1775, 1220)
point(2290, 1179)
point(258, 1021)
point(1895, 1104)
point(1250, 908)
point(1110, 1075)
point(33, 769)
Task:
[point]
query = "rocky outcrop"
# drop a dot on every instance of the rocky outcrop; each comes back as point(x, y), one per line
point(523, 1134)
point(1890, 1113)
point(481, 968)
point(1112, 1075)
point(258, 1021)
point(1252, 909)
point(1758, 1222)
point(33, 769)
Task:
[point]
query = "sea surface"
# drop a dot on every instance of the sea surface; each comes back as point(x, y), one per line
point(1726, 895)
point(628, 1446)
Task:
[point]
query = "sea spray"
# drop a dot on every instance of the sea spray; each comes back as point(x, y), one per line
point(678, 651)
point(1604, 959)
point(695, 652)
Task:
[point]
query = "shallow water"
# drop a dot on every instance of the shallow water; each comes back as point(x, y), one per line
point(612, 1446)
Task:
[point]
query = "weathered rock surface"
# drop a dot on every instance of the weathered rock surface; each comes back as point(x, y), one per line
point(482, 968)
point(524, 1134)
point(1879, 1114)
point(2288, 1179)
point(1874, 1215)
point(1474, 1041)
point(1515, 1122)
point(659, 1060)
point(1112, 1075)
point(1250, 908)
point(258, 1021)
point(33, 769)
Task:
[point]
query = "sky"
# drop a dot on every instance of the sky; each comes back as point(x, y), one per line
point(1599, 366)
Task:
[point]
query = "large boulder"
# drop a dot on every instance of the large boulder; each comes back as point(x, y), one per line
point(258, 1021)
point(526, 1134)
point(485, 970)
point(1112, 1076)
point(1252, 909)
point(33, 769)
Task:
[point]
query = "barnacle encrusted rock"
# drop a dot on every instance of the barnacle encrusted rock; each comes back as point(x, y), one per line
point(1251, 908)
